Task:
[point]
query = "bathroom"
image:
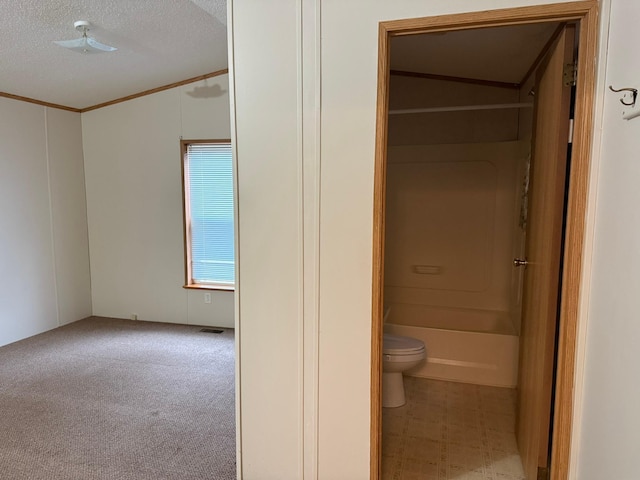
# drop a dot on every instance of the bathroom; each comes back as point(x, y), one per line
point(458, 152)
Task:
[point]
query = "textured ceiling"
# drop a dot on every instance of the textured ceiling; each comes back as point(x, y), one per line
point(500, 54)
point(164, 41)
point(159, 42)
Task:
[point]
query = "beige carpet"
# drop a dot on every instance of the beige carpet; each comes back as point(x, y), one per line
point(117, 399)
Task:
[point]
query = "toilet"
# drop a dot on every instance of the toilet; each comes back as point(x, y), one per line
point(398, 354)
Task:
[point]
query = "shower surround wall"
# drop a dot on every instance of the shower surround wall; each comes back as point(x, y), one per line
point(451, 211)
point(449, 224)
point(454, 184)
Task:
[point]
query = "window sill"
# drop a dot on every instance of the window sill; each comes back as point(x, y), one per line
point(200, 286)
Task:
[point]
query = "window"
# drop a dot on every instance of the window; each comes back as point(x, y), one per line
point(208, 214)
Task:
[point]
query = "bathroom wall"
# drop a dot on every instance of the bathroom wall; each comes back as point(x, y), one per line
point(453, 196)
point(449, 127)
point(134, 203)
point(451, 211)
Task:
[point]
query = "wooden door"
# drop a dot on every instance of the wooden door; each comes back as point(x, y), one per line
point(543, 254)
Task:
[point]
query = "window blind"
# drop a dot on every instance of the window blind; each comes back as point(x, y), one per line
point(210, 177)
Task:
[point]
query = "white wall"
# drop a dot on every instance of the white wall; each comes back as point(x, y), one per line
point(44, 266)
point(611, 418)
point(69, 213)
point(349, 80)
point(134, 203)
point(455, 208)
point(276, 49)
point(265, 62)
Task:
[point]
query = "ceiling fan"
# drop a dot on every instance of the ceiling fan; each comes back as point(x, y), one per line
point(85, 44)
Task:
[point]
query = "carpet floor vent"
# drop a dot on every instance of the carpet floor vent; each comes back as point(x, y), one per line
point(212, 330)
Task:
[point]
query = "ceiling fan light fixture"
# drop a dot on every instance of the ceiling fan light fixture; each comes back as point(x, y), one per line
point(84, 44)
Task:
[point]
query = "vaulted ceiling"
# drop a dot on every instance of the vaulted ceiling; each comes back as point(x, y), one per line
point(159, 42)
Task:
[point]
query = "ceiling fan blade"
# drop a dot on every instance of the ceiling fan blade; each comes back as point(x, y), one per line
point(100, 46)
point(85, 45)
point(71, 44)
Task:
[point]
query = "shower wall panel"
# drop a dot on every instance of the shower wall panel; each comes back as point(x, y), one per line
point(451, 217)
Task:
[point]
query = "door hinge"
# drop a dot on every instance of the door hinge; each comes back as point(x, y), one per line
point(570, 74)
point(571, 130)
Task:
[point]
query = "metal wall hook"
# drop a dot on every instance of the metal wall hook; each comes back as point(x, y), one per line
point(632, 90)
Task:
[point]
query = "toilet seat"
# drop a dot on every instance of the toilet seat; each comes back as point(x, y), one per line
point(399, 345)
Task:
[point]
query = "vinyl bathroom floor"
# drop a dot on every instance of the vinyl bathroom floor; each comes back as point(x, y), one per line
point(449, 431)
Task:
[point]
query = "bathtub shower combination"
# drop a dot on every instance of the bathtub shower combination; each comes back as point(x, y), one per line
point(452, 228)
point(462, 345)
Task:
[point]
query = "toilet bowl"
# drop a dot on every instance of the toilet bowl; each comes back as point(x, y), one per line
point(398, 354)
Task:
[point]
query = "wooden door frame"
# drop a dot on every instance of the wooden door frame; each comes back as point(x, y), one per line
point(586, 14)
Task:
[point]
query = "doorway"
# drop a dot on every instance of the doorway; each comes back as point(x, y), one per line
point(583, 15)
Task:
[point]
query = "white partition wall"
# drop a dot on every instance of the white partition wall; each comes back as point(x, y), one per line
point(349, 81)
point(274, 45)
point(265, 65)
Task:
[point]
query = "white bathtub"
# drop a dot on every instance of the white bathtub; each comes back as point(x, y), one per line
point(463, 345)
